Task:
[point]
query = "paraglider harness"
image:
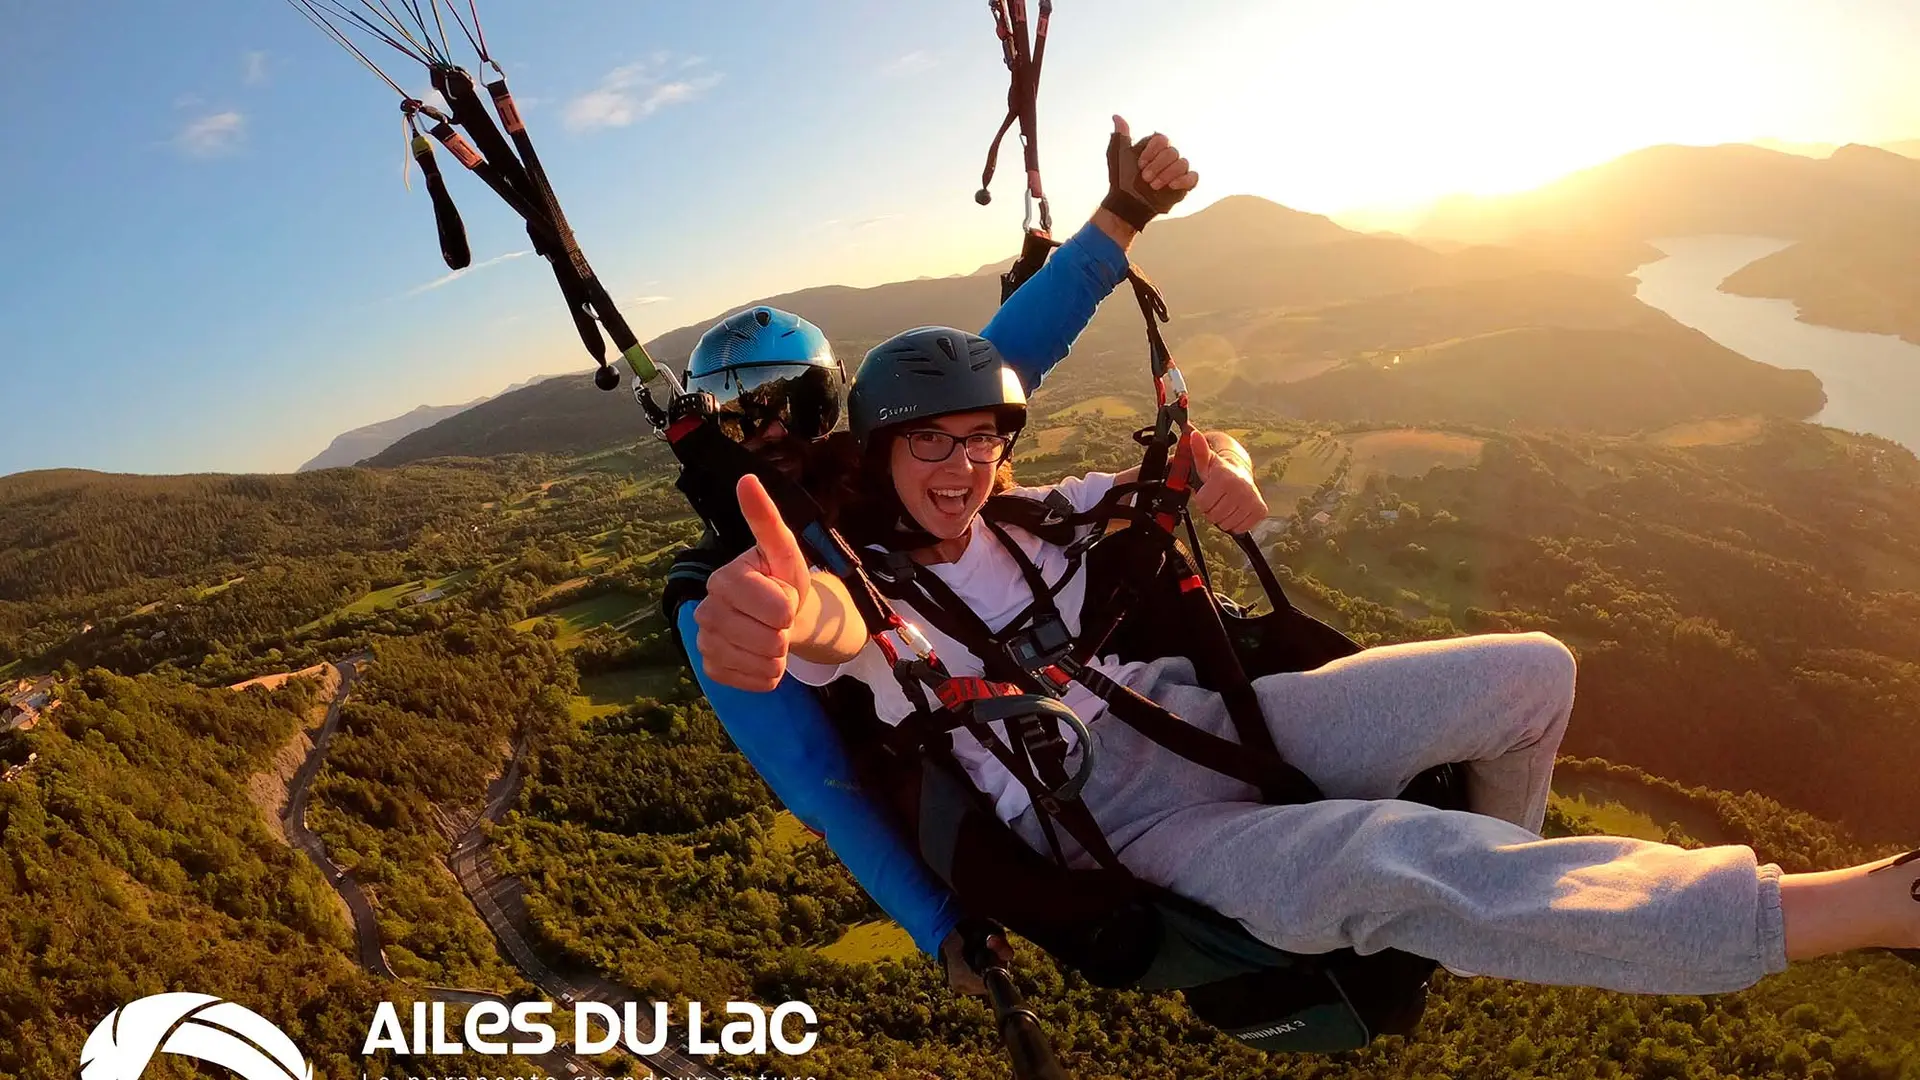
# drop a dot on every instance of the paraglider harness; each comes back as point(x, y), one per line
point(1115, 929)
point(1146, 598)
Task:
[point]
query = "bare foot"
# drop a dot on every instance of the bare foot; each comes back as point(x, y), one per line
point(1860, 907)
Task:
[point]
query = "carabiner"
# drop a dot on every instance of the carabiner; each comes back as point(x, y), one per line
point(1176, 383)
point(1045, 215)
point(911, 636)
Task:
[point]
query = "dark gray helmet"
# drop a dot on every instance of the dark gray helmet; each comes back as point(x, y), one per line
point(932, 371)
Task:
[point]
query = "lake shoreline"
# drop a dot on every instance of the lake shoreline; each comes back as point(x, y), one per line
point(1872, 381)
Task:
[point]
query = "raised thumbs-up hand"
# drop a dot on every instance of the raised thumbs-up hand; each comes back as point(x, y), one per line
point(1145, 178)
point(1227, 495)
point(757, 604)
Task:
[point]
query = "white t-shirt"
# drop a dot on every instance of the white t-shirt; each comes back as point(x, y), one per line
point(988, 580)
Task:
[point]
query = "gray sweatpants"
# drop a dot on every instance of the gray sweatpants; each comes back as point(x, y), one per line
point(1480, 892)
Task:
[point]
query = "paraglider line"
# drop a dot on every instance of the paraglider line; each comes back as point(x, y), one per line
point(305, 7)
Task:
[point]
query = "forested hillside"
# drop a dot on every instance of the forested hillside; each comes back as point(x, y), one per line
point(221, 558)
point(1743, 595)
point(131, 863)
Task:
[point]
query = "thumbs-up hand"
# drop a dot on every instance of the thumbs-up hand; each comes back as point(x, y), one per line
point(1145, 178)
point(1227, 495)
point(753, 602)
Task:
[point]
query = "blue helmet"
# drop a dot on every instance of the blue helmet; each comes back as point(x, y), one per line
point(764, 364)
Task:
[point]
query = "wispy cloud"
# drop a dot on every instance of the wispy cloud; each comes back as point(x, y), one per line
point(912, 63)
point(634, 92)
point(642, 301)
point(212, 135)
point(253, 68)
point(872, 222)
point(448, 279)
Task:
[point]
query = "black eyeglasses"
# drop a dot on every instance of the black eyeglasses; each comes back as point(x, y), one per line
point(982, 448)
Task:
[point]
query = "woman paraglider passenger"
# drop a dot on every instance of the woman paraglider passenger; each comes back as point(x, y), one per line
point(934, 413)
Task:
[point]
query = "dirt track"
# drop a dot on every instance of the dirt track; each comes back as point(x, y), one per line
point(491, 894)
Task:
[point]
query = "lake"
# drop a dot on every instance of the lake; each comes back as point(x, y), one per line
point(1872, 380)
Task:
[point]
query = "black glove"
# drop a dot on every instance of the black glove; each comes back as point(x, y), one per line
point(976, 949)
point(1128, 196)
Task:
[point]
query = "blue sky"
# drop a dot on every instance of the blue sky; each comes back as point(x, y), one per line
point(210, 262)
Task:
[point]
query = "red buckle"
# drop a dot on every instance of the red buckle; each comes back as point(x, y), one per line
point(1191, 583)
point(1059, 678)
point(681, 428)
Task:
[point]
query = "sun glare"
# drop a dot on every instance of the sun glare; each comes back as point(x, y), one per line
point(1397, 103)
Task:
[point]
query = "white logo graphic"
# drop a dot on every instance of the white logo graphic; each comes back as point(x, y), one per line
point(195, 1026)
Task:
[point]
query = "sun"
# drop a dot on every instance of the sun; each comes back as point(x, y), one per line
point(1387, 103)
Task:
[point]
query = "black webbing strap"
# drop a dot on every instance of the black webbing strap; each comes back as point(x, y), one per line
point(1253, 760)
point(454, 249)
point(1219, 664)
point(1279, 782)
point(1263, 570)
point(1038, 737)
point(1033, 255)
point(523, 185)
point(1024, 63)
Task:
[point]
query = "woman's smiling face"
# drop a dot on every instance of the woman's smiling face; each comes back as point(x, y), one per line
point(943, 496)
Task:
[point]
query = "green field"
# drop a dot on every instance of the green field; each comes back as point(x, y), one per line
point(1610, 817)
point(1047, 442)
point(788, 833)
point(1724, 431)
point(576, 619)
point(1409, 452)
point(384, 599)
point(1108, 406)
point(1432, 592)
point(213, 590)
point(1309, 464)
point(624, 461)
point(608, 693)
point(871, 941)
point(1653, 804)
point(381, 600)
point(606, 549)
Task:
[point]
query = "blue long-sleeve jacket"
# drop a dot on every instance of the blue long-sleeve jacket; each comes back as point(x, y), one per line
point(786, 735)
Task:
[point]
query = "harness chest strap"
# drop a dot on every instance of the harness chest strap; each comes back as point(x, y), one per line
point(1259, 766)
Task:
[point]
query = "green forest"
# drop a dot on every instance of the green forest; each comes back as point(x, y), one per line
point(1743, 597)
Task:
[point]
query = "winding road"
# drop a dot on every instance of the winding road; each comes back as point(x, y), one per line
point(500, 902)
point(498, 899)
point(366, 929)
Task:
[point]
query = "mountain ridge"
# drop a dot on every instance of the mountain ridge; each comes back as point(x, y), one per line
point(357, 445)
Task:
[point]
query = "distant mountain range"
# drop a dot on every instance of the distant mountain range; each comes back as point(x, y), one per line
point(1908, 147)
point(1292, 308)
point(361, 443)
point(1849, 207)
point(1691, 190)
point(1854, 214)
point(353, 447)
